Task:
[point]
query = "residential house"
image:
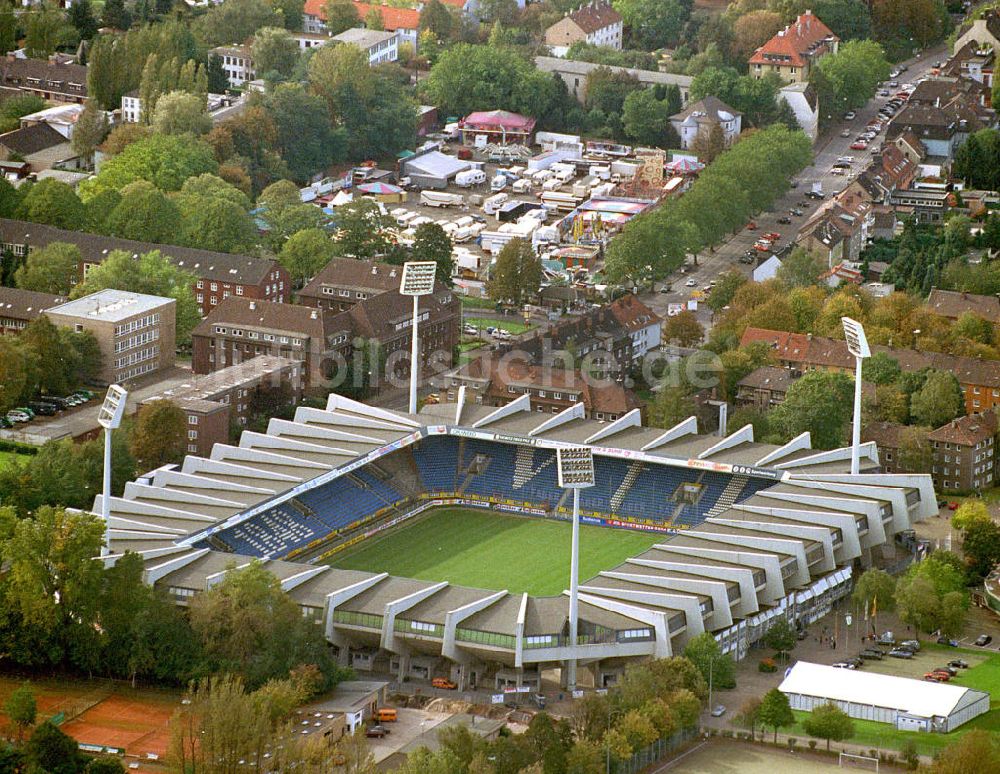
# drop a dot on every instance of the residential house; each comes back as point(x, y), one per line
point(963, 453)
point(307, 40)
point(575, 75)
point(131, 111)
point(596, 23)
point(910, 146)
point(839, 229)
point(404, 21)
point(53, 79)
point(952, 304)
point(496, 382)
point(40, 147)
point(979, 379)
point(216, 402)
point(377, 45)
point(973, 61)
point(923, 204)
point(610, 340)
point(62, 118)
point(699, 118)
point(20, 307)
point(343, 282)
point(886, 437)
point(219, 275)
point(941, 128)
point(136, 333)
point(793, 51)
point(237, 62)
point(764, 388)
point(984, 32)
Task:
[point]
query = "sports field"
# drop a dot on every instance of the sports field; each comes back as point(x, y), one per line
point(485, 549)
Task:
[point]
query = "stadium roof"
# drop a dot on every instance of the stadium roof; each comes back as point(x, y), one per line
point(914, 697)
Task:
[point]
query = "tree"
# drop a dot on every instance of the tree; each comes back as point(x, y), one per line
point(52, 580)
point(21, 709)
point(517, 273)
point(166, 161)
point(159, 435)
point(671, 406)
point(341, 15)
point(250, 627)
point(81, 16)
point(217, 80)
point(647, 119)
point(431, 243)
point(652, 24)
point(775, 711)
point(220, 226)
point(91, 128)
point(17, 106)
point(434, 16)
point(144, 213)
point(915, 454)
point(150, 273)
point(801, 268)
point(830, 722)
point(105, 764)
point(704, 652)
point(238, 20)
point(274, 50)
point(305, 136)
point(52, 202)
point(749, 714)
point(684, 329)
point(362, 230)
point(981, 547)
point(853, 74)
point(45, 30)
point(875, 590)
point(585, 757)
point(8, 29)
point(305, 253)
point(180, 112)
point(50, 750)
point(820, 403)
point(709, 143)
point(781, 637)
point(939, 401)
point(881, 368)
point(53, 268)
point(752, 30)
point(969, 513)
point(973, 751)
point(115, 15)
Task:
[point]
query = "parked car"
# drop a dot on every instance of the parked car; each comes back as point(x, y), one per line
point(871, 654)
point(949, 670)
point(901, 653)
point(796, 212)
point(718, 711)
point(947, 641)
point(690, 283)
point(376, 732)
point(859, 145)
point(773, 236)
point(17, 416)
point(470, 330)
point(845, 132)
point(817, 195)
point(45, 409)
point(784, 220)
point(936, 677)
point(752, 226)
point(849, 115)
point(443, 682)
point(843, 665)
point(959, 663)
point(952, 506)
point(983, 640)
point(913, 645)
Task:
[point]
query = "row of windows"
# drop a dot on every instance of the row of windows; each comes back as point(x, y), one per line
point(137, 323)
point(138, 340)
point(132, 373)
point(223, 331)
point(138, 357)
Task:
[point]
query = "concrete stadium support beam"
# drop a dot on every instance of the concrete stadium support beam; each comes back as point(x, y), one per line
point(298, 579)
point(747, 605)
point(631, 419)
point(161, 570)
point(147, 556)
point(217, 577)
point(869, 451)
point(394, 608)
point(454, 617)
point(774, 586)
point(688, 427)
point(306, 415)
point(174, 478)
point(694, 622)
point(516, 406)
point(459, 405)
point(288, 428)
point(850, 548)
point(522, 614)
point(798, 443)
point(156, 494)
point(568, 414)
point(271, 480)
point(923, 483)
point(741, 436)
point(721, 615)
point(655, 618)
point(819, 534)
point(336, 598)
point(251, 457)
point(895, 496)
point(336, 402)
point(777, 543)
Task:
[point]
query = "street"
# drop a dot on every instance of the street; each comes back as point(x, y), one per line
point(830, 146)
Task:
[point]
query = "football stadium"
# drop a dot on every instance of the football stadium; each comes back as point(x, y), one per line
point(438, 543)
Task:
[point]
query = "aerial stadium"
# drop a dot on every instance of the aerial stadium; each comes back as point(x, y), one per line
point(437, 543)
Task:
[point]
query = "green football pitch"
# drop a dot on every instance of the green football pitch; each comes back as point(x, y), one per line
point(484, 549)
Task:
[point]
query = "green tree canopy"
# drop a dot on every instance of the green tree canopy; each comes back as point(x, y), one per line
point(144, 213)
point(775, 711)
point(704, 652)
point(939, 400)
point(53, 268)
point(829, 722)
point(820, 402)
point(305, 253)
point(166, 161)
point(53, 203)
point(431, 243)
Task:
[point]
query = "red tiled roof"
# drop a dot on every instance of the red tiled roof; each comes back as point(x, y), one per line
point(793, 44)
point(392, 18)
point(968, 430)
point(595, 16)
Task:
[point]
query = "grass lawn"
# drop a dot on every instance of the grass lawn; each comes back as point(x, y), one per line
point(513, 327)
point(487, 550)
point(983, 675)
point(7, 457)
point(477, 303)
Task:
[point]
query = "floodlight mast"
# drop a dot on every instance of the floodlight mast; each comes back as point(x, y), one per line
point(857, 345)
point(418, 280)
point(110, 418)
point(576, 471)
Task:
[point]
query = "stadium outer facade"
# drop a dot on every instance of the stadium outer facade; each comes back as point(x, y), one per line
point(781, 539)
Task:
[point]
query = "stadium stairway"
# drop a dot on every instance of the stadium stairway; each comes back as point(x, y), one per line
point(728, 496)
point(561, 503)
point(634, 469)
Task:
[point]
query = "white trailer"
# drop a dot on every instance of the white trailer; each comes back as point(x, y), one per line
point(470, 177)
point(441, 199)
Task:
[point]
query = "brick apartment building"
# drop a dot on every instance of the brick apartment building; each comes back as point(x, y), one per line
point(793, 51)
point(963, 453)
point(54, 79)
point(343, 282)
point(219, 275)
point(240, 329)
point(979, 379)
point(216, 402)
point(19, 307)
point(952, 304)
point(135, 332)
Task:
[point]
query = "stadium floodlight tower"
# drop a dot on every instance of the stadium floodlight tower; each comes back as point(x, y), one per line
point(576, 471)
point(418, 280)
point(857, 345)
point(110, 418)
